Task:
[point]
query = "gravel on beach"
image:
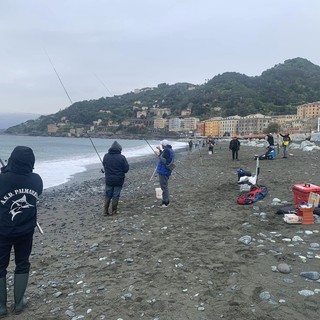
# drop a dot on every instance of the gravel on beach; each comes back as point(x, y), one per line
point(203, 257)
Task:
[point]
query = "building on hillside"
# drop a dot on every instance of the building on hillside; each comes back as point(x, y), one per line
point(148, 122)
point(286, 122)
point(212, 127)
point(97, 122)
point(186, 112)
point(159, 112)
point(160, 123)
point(309, 110)
point(175, 124)
point(143, 113)
point(253, 123)
point(229, 126)
point(190, 124)
point(79, 131)
point(200, 128)
point(52, 128)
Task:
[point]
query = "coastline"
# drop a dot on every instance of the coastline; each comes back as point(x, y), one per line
point(94, 174)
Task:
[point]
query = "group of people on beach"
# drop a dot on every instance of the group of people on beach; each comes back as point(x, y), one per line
point(20, 189)
point(234, 146)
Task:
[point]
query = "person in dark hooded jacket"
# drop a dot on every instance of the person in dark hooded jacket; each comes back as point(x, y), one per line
point(19, 192)
point(115, 167)
point(166, 157)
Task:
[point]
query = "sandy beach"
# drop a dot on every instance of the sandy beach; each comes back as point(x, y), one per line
point(180, 262)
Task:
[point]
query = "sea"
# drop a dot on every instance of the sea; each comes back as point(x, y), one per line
point(58, 159)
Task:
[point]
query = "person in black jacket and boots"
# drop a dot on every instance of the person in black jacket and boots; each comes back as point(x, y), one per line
point(19, 192)
point(234, 146)
point(115, 167)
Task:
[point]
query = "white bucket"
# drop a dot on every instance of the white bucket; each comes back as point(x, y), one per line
point(158, 193)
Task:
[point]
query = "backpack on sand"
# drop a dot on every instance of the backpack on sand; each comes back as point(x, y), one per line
point(256, 193)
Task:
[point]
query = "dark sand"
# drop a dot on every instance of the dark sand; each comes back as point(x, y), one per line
point(180, 262)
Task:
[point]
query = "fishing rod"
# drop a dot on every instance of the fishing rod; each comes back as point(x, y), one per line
point(155, 153)
point(65, 90)
point(103, 84)
point(94, 147)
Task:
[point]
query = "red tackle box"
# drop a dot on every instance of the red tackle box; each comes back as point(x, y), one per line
point(301, 192)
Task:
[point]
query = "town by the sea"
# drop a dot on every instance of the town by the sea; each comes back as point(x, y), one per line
point(58, 159)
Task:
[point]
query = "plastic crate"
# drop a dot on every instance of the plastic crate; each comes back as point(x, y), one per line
point(301, 192)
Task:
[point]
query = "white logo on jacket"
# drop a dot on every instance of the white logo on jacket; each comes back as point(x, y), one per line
point(19, 204)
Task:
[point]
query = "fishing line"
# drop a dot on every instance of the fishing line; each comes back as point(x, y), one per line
point(103, 84)
point(65, 90)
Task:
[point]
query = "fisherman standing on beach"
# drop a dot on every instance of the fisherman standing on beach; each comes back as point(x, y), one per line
point(285, 143)
point(270, 139)
point(234, 146)
point(19, 192)
point(166, 157)
point(115, 167)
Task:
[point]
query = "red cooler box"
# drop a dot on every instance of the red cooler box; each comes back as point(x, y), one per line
point(301, 192)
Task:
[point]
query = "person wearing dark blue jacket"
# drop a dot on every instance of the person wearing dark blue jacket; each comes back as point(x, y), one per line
point(115, 167)
point(166, 156)
point(19, 192)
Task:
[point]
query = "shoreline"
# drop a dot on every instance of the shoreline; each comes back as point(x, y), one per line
point(93, 173)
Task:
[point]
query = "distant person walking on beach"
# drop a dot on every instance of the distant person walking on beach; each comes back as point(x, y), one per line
point(234, 146)
point(115, 167)
point(210, 146)
point(19, 192)
point(190, 145)
point(270, 139)
point(285, 143)
point(166, 157)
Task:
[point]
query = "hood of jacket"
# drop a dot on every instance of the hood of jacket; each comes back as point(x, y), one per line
point(21, 160)
point(115, 148)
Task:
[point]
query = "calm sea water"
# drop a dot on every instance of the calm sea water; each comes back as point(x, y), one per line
point(58, 159)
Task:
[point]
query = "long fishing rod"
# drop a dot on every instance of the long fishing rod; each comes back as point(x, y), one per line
point(155, 153)
point(65, 90)
point(103, 84)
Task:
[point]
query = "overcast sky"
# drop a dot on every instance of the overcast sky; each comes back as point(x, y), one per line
point(110, 47)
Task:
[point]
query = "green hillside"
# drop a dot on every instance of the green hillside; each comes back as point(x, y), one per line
point(276, 91)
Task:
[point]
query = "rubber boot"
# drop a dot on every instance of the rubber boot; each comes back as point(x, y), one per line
point(20, 285)
point(114, 206)
point(3, 297)
point(106, 207)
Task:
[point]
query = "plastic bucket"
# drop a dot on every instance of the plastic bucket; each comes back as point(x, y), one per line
point(158, 193)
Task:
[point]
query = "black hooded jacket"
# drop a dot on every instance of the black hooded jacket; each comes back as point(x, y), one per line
point(19, 192)
point(115, 166)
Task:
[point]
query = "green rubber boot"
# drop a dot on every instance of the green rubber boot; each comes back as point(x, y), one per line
point(20, 285)
point(114, 207)
point(3, 297)
point(106, 207)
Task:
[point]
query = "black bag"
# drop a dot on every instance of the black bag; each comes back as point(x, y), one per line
point(170, 166)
